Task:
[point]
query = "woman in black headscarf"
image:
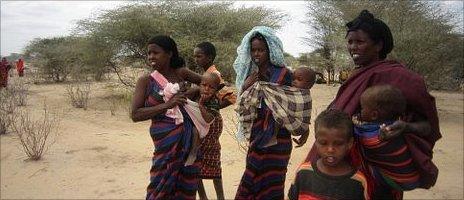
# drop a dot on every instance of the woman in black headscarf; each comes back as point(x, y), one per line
point(369, 41)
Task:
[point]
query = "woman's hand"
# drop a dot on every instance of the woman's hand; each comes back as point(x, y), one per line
point(193, 92)
point(393, 130)
point(420, 128)
point(302, 140)
point(177, 100)
point(250, 80)
point(142, 113)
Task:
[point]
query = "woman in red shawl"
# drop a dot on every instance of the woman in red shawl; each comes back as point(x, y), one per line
point(4, 68)
point(369, 40)
point(20, 67)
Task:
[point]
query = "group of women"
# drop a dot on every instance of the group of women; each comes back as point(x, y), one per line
point(260, 58)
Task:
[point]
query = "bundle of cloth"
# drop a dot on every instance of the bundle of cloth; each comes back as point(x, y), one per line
point(290, 106)
point(191, 107)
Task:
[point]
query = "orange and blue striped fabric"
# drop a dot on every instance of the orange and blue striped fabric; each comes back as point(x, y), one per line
point(169, 177)
point(390, 161)
point(266, 167)
point(311, 184)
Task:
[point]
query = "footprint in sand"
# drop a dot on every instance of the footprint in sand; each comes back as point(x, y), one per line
point(71, 151)
point(98, 148)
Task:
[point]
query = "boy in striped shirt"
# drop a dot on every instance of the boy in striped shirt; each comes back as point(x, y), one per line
point(331, 176)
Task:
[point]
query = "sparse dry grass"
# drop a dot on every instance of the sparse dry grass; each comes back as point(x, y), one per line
point(78, 94)
point(231, 129)
point(118, 97)
point(20, 89)
point(36, 135)
point(7, 109)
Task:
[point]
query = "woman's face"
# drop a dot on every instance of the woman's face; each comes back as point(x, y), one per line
point(362, 48)
point(259, 52)
point(201, 59)
point(157, 57)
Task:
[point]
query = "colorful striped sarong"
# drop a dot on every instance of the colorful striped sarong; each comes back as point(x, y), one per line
point(390, 161)
point(266, 167)
point(169, 177)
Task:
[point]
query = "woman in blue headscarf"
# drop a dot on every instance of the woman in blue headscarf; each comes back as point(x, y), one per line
point(260, 58)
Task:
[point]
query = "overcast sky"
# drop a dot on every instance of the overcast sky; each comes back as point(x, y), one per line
point(22, 21)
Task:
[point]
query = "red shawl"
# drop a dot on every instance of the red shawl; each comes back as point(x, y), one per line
point(420, 105)
point(20, 65)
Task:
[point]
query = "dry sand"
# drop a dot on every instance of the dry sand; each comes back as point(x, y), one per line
point(100, 156)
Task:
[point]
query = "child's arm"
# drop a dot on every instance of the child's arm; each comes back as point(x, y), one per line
point(205, 112)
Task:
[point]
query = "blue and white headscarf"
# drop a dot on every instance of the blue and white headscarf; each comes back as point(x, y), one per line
point(243, 64)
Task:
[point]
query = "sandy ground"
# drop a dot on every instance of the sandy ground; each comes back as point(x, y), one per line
point(101, 156)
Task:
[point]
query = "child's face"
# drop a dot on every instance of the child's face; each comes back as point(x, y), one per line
point(368, 112)
point(332, 145)
point(201, 59)
point(208, 85)
point(301, 79)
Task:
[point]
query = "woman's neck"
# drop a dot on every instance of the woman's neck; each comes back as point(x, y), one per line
point(169, 73)
point(263, 72)
point(376, 60)
point(263, 68)
point(165, 70)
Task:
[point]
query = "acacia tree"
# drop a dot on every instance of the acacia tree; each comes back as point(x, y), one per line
point(422, 31)
point(326, 37)
point(95, 57)
point(123, 32)
point(54, 57)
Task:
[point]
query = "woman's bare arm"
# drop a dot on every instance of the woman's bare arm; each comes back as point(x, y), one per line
point(189, 75)
point(142, 113)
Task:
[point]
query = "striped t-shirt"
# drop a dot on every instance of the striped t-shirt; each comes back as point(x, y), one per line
point(310, 183)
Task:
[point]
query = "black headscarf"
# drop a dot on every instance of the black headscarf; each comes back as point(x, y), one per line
point(377, 30)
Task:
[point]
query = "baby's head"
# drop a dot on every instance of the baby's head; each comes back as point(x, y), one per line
point(334, 136)
point(210, 83)
point(304, 78)
point(382, 102)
